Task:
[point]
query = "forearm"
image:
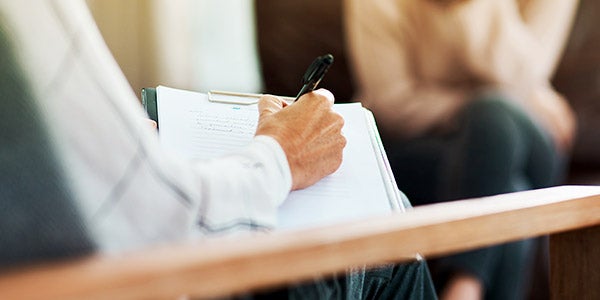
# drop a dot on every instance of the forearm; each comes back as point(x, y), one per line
point(550, 22)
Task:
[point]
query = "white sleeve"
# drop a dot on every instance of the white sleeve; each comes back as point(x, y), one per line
point(242, 191)
point(129, 191)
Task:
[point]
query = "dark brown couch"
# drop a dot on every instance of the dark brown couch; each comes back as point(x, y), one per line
point(292, 33)
point(578, 78)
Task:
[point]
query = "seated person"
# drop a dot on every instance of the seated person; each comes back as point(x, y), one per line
point(461, 93)
point(86, 172)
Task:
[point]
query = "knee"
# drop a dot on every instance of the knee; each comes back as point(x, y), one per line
point(492, 120)
point(492, 109)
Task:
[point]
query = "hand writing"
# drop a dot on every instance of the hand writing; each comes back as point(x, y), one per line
point(309, 132)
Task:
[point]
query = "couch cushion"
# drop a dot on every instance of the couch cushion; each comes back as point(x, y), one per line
point(578, 78)
point(291, 34)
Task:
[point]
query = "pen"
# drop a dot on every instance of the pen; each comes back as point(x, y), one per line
point(315, 72)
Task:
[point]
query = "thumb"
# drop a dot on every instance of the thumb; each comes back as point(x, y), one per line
point(268, 105)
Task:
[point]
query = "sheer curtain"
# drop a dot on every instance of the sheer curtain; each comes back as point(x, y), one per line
point(191, 44)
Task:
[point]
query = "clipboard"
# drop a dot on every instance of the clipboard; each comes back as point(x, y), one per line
point(149, 100)
point(150, 104)
point(364, 145)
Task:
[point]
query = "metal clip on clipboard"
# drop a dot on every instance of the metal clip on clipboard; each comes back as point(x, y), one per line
point(238, 98)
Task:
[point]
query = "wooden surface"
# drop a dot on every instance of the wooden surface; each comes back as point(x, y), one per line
point(222, 266)
point(575, 264)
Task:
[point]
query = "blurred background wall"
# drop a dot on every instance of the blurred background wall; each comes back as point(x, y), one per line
point(190, 44)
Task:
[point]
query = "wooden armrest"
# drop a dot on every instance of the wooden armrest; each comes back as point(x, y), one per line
point(223, 266)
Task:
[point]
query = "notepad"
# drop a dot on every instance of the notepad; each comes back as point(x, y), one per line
point(194, 126)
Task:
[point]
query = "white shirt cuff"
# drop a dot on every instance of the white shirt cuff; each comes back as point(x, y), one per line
point(280, 159)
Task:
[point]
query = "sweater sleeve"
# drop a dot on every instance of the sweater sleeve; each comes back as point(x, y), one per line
point(517, 45)
point(380, 44)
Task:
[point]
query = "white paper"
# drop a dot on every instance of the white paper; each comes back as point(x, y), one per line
point(192, 126)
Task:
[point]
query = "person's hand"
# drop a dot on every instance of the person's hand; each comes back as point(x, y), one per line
point(555, 115)
point(309, 132)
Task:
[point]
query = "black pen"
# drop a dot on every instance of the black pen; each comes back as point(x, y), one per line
point(315, 72)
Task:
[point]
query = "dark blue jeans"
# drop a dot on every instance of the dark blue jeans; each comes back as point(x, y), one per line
point(403, 281)
point(494, 149)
